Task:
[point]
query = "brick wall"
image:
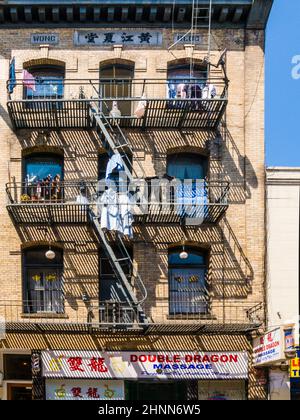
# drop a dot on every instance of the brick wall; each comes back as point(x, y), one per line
point(238, 158)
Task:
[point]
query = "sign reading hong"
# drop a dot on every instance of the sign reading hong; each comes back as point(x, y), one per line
point(134, 365)
point(96, 38)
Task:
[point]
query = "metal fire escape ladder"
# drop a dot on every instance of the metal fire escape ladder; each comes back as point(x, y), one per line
point(116, 263)
point(115, 142)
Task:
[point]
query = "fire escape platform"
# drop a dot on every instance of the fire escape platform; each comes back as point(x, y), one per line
point(160, 329)
point(159, 113)
point(45, 214)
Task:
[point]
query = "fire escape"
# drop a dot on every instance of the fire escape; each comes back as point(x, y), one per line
point(87, 109)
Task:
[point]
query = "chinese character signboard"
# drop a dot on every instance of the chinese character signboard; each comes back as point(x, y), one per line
point(58, 389)
point(104, 38)
point(138, 365)
point(268, 348)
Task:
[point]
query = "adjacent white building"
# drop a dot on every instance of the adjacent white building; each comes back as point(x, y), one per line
point(282, 265)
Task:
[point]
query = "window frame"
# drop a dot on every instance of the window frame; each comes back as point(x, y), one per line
point(185, 266)
point(29, 306)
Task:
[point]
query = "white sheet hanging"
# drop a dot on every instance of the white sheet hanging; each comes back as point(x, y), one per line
point(126, 216)
point(115, 162)
point(110, 218)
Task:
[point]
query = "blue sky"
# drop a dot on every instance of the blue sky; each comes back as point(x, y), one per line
point(282, 90)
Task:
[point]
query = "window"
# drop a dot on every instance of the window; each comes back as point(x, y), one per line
point(43, 175)
point(187, 166)
point(191, 191)
point(114, 299)
point(17, 366)
point(43, 281)
point(49, 83)
point(186, 82)
point(110, 287)
point(187, 283)
point(116, 82)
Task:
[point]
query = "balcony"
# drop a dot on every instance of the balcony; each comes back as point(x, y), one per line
point(193, 108)
point(157, 204)
point(95, 317)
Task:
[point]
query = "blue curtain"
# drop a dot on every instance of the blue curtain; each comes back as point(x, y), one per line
point(191, 194)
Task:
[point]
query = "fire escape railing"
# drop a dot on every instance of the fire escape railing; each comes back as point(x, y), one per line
point(143, 103)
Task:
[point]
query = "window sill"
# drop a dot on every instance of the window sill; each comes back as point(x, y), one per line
point(44, 315)
point(190, 317)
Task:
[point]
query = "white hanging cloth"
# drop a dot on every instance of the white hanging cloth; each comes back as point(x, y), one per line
point(115, 112)
point(110, 218)
point(141, 107)
point(126, 216)
point(81, 199)
point(115, 162)
point(209, 91)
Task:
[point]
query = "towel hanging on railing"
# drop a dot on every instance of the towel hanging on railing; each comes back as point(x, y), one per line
point(115, 112)
point(28, 80)
point(114, 163)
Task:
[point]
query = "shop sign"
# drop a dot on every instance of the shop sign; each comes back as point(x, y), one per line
point(46, 38)
point(289, 339)
point(96, 38)
point(187, 39)
point(139, 365)
point(268, 348)
point(74, 389)
point(295, 368)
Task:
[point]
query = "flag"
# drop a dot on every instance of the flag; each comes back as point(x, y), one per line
point(28, 80)
point(12, 76)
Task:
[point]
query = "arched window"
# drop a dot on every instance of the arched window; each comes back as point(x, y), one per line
point(43, 176)
point(191, 190)
point(187, 81)
point(187, 282)
point(116, 82)
point(43, 291)
point(48, 82)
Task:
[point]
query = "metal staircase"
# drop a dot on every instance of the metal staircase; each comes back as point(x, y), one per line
point(114, 141)
point(134, 290)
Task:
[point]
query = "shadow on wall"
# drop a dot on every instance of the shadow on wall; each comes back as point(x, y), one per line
point(237, 169)
point(81, 148)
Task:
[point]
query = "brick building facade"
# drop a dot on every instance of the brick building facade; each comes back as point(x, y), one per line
point(229, 139)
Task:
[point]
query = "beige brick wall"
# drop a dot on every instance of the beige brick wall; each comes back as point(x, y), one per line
point(239, 159)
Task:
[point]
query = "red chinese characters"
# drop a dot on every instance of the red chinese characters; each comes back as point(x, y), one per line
point(97, 365)
point(75, 364)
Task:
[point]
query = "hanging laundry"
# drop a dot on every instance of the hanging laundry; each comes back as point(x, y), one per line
point(12, 76)
point(141, 107)
point(115, 112)
point(81, 199)
point(114, 163)
point(181, 91)
point(28, 80)
point(209, 91)
point(191, 199)
point(109, 210)
point(126, 216)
